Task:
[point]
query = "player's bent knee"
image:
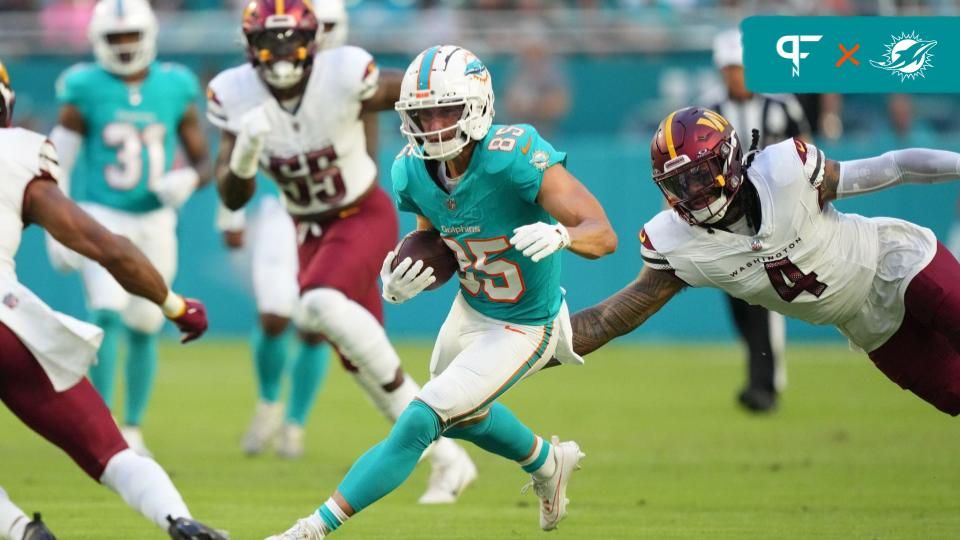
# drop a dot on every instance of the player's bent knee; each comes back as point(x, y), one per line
point(319, 310)
point(274, 325)
point(418, 422)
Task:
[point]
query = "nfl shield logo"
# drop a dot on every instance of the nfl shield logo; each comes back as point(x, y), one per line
point(451, 204)
point(10, 300)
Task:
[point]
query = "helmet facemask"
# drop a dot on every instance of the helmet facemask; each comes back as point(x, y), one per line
point(701, 191)
point(283, 55)
point(440, 144)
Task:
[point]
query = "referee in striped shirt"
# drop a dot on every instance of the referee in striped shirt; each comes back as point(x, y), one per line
point(777, 118)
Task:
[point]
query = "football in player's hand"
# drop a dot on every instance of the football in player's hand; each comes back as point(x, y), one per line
point(427, 246)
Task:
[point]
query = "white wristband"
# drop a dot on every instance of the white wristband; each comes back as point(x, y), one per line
point(174, 306)
point(245, 157)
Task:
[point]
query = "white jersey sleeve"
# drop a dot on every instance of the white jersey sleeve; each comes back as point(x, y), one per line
point(651, 257)
point(358, 71)
point(813, 161)
point(25, 156)
point(232, 93)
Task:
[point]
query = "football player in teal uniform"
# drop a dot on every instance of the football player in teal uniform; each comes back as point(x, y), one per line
point(503, 202)
point(121, 120)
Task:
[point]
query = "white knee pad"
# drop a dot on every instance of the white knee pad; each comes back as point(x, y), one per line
point(143, 315)
point(352, 329)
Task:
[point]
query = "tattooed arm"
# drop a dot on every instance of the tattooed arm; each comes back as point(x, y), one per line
point(621, 313)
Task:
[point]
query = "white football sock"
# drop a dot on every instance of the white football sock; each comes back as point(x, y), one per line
point(12, 519)
point(144, 485)
point(549, 466)
point(391, 404)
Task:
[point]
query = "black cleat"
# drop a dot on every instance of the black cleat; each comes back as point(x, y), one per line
point(37, 530)
point(757, 400)
point(189, 529)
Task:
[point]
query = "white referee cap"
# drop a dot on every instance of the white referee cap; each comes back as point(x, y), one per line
point(727, 49)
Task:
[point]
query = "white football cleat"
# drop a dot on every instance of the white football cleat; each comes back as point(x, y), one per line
point(448, 481)
point(291, 442)
point(308, 528)
point(134, 439)
point(553, 491)
point(263, 430)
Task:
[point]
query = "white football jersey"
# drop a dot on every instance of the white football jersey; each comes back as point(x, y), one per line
point(317, 155)
point(808, 260)
point(64, 347)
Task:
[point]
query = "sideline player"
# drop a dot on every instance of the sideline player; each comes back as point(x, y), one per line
point(765, 230)
point(296, 111)
point(120, 121)
point(44, 355)
point(504, 203)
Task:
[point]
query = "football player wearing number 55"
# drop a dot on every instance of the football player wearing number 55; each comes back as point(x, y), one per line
point(505, 205)
point(764, 229)
point(294, 109)
point(120, 122)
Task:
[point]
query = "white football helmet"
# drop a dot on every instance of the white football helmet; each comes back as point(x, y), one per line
point(441, 76)
point(119, 17)
point(332, 15)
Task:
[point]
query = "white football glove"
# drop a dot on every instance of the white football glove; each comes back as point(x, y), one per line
point(540, 240)
point(245, 157)
point(406, 280)
point(176, 186)
point(230, 220)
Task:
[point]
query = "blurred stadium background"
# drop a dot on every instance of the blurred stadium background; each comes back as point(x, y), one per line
point(595, 75)
point(848, 455)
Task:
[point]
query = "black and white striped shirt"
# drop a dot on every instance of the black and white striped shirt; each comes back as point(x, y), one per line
point(777, 117)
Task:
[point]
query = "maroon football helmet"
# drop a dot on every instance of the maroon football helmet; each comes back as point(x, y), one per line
point(696, 157)
point(7, 98)
point(281, 39)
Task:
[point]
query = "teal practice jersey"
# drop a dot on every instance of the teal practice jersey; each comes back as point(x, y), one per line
point(131, 131)
point(497, 194)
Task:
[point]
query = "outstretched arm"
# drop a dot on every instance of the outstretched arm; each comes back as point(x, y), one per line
point(49, 208)
point(908, 166)
point(572, 204)
point(621, 313)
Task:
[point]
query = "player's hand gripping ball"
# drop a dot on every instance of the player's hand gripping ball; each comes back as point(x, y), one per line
point(420, 261)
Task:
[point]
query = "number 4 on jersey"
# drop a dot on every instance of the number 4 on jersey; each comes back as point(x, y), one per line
point(783, 270)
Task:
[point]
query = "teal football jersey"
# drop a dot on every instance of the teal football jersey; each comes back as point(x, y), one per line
point(131, 131)
point(496, 194)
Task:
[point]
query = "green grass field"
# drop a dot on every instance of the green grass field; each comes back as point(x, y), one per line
point(849, 455)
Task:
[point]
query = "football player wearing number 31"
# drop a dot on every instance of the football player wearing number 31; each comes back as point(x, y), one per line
point(765, 230)
point(505, 205)
point(120, 121)
point(295, 110)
